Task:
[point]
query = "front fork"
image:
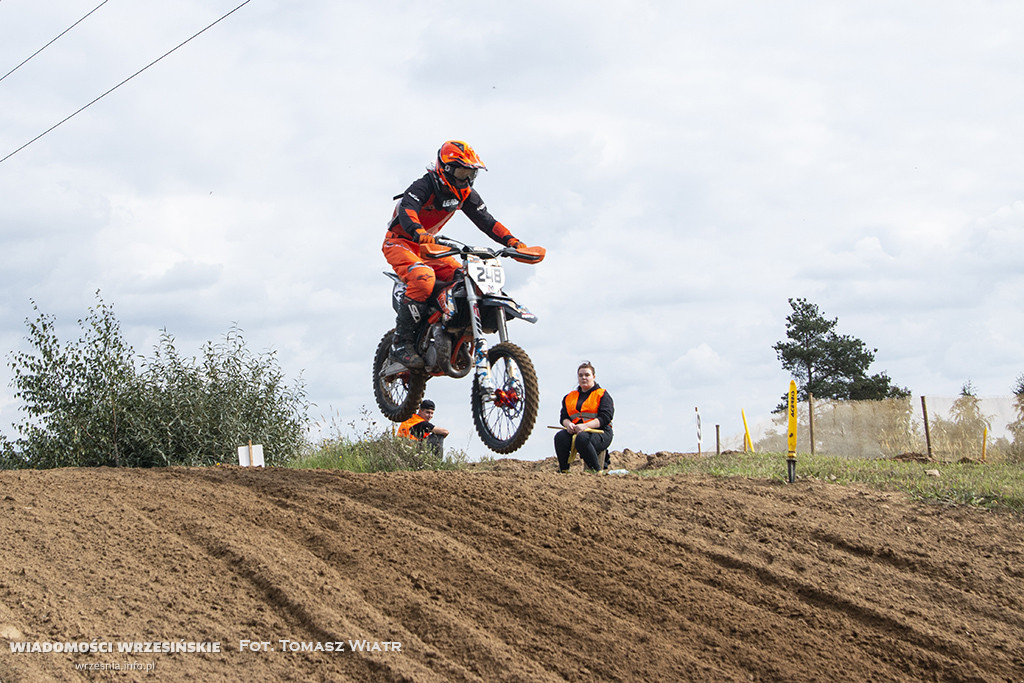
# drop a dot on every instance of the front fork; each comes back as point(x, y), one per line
point(482, 366)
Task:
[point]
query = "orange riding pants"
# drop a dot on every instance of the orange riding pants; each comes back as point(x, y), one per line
point(419, 275)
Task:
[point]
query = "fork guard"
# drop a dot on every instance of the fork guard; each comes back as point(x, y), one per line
point(512, 308)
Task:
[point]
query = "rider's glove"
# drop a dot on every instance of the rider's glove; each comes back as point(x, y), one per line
point(513, 242)
point(424, 237)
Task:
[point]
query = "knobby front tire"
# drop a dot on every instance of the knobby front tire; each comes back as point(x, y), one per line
point(398, 396)
point(504, 421)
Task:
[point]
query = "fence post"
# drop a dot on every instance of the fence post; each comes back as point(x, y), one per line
point(927, 433)
point(718, 439)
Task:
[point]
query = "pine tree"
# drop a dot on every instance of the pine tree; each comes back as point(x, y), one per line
point(828, 364)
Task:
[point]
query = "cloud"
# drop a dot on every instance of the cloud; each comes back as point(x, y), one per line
point(689, 168)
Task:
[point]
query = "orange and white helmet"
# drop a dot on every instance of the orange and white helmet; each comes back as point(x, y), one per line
point(457, 166)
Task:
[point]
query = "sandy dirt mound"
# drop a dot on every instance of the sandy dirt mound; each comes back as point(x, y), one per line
point(516, 573)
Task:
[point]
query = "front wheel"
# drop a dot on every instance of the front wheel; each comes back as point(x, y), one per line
point(504, 421)
point(398, 395)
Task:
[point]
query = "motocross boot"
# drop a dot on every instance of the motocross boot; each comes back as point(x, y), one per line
point(403, 343)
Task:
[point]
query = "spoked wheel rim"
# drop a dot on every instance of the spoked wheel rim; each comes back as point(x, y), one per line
point(396, 387)
point(398, 395)
point(505, 419)
point(503, 414)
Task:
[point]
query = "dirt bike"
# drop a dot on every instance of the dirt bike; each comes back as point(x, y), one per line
point(451, 342)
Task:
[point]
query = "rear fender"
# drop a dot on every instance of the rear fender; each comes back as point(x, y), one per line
point(397, 291)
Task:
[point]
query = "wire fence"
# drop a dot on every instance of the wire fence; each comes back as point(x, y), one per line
point(941, 428)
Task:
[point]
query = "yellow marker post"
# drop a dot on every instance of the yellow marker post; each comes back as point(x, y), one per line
point(791, 457)
point(748, 445)
point(984, 443)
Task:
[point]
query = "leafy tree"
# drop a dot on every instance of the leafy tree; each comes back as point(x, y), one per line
point(966, 409)
point(87, 404)
point(961, 435)
point(74, 396)
point(827, 364)
point(1017, 426)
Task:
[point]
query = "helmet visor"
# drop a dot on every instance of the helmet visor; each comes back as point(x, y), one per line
point(460, 173)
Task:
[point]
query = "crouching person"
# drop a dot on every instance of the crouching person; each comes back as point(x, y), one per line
point(420, 428)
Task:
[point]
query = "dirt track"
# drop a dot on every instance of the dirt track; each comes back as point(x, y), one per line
point(513, 574)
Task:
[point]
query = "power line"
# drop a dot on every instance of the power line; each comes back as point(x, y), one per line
point(70, 116)
point(53, 41)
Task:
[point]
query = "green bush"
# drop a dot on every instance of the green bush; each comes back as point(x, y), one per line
point(87, 403)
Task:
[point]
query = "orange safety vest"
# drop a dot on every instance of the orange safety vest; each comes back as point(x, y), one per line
point(587, 411)
point(405, 429)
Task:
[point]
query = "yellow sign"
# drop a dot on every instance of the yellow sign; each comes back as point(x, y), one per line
point(792, 418)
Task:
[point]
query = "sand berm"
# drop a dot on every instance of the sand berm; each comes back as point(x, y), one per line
point(513, 573)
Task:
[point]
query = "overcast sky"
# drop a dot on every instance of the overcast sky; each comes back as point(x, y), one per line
point(688, 166)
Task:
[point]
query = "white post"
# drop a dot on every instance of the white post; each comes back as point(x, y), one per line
point(697, 410)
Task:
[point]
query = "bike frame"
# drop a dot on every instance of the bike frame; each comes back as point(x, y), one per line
point(482, 366)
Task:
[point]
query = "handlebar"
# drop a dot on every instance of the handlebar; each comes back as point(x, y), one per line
point(457, 247)
point(445, 246)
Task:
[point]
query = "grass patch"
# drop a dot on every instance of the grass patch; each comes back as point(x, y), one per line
point(384, 453)
point(375, 449)
point(989, 485)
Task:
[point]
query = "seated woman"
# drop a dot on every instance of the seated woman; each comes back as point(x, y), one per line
point(584, 410)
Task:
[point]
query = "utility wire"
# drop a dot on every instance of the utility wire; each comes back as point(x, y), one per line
point(70, 116)
point(53, 41)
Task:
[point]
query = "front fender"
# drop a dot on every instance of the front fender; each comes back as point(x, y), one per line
point(512, 308)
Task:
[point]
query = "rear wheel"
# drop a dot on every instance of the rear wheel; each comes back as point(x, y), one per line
point(398, 395)
point(504, 421)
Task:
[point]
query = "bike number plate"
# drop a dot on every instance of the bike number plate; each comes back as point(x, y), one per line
point(487, 275)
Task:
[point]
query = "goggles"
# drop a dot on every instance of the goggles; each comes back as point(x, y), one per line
point(461, 173)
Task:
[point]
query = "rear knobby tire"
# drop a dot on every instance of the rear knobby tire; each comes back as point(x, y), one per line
point(504, 422)
point(398, 396)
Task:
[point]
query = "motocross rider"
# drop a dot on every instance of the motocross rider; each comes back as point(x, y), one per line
point(420, 214)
